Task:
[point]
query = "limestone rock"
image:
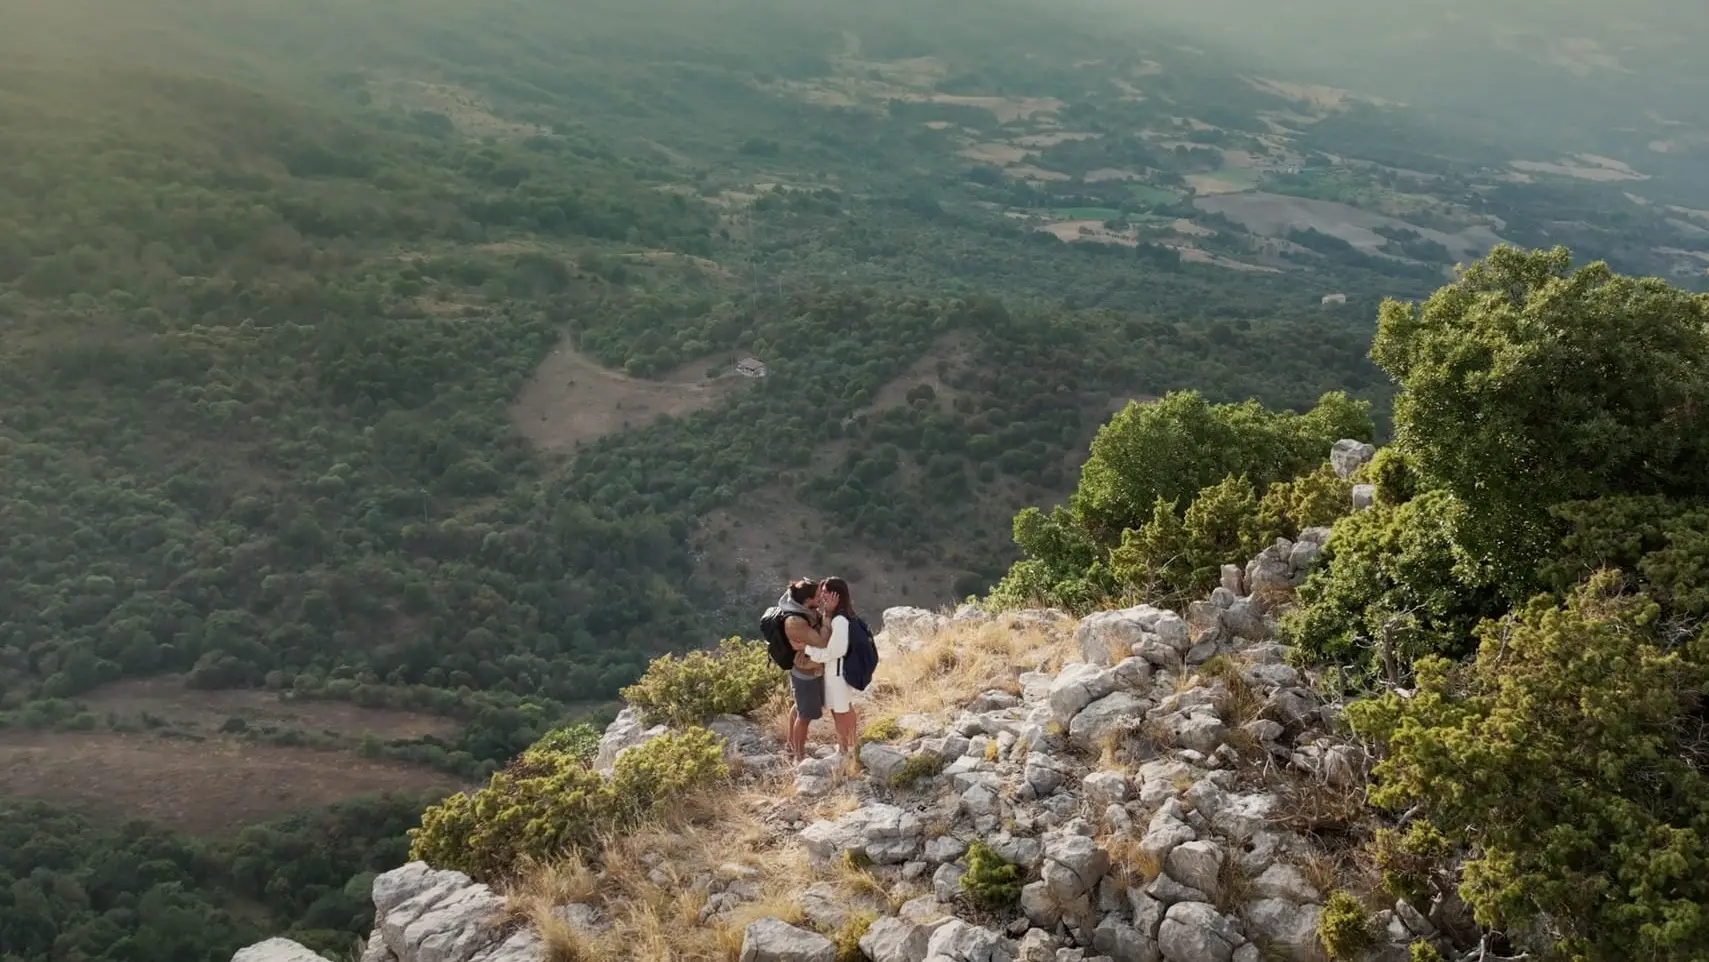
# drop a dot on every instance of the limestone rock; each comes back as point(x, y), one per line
point(276, 950)
point(1282, 881)
point(883, 833)
point(1364, 496)
point(1196, 932)
point(893, 939)
point(1122, 942)
point(773, 940)
point(1077, 686)
point(1103, 718)
point(958, 940)
point(1289, 928)
point(1105, 788)
point(626, 731)
point(1073, 866)
point(1196, 864)
point(1349, 455)
point(881, 760)
point(905, 629)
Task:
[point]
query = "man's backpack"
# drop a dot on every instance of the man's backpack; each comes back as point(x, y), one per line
point(862, 657)
point(776, 639)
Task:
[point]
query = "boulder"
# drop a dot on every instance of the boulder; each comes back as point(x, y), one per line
point(1364, 496)
point(1283, 881)
point(1104, 789)
point(1077, 686)
point(1108, 636)
point(883, 833)
point(448, 918)
point(1197, 864)
point(1196, 932)
point(1122, 942)
point(1039, 906)
point(882, 760)
point(958, 940)
point(1164, 833)
point(276, 950)
point(626, 731)
point(774, 940)
point(1037, 945)
point(892, 939)
point(1103, 718)
point(1073, 866)
point(1289, 928)
point(906, 629)
point(1349, 455)
point(946, 882)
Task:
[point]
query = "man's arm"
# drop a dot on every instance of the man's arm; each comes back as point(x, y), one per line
point(802, 636)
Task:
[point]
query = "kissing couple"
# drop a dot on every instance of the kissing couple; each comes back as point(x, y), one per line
point(832, 656)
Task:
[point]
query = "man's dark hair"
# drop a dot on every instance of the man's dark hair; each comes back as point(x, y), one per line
point(803, 590)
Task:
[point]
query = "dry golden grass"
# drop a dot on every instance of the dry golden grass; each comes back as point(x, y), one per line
point(645, 888)
point(643, 881)
point(1134, 866)
point(951, 668)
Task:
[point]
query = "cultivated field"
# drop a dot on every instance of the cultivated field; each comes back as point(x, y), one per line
point(205, 787)
point(1273, 215)
point(166, 701)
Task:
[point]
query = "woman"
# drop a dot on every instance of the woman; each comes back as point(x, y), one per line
point(834, 602)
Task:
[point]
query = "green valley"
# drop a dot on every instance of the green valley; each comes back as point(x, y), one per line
point(378, 388)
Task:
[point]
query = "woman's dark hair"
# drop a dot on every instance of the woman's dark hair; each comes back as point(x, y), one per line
point(803, 590)
point(845, 604)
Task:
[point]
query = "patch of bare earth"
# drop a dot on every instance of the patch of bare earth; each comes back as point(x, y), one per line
point(1318, 96)
point(1052, 139)
point(1091, 231)
point(205, 787)
point(572, 399)
point(1000, 154)
point(754, 547)
point(469, 112)
point(948, 353)
point(165, 698)
point(1110, 173)
point(1581, 167)
point(1034, 173)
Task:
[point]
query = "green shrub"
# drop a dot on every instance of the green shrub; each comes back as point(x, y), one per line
point(919, 765)
point(1145, 463)
point(737, 678)
point(1393, 577)
point(548, 802)
point(579, 741)
point(990, 882)
point(1423, 952)
point(1344, 927)
point(884, 729)
point(1567, 758)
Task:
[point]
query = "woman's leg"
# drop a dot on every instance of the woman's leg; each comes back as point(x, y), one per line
point(846, 724)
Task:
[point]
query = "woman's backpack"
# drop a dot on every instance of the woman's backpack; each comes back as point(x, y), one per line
point(862, 658)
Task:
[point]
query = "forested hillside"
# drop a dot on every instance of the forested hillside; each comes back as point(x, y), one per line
point(379, 356)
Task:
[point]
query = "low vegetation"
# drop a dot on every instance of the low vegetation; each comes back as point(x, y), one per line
point(737, 678)
point(548, 803)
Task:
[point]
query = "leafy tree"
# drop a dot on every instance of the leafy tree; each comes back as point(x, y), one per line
point(1526, 384)
point(1567, 761)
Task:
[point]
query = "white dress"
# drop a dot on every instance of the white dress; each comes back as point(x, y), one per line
point(839, 694)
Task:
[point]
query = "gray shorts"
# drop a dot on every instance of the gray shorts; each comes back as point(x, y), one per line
point(809, 692)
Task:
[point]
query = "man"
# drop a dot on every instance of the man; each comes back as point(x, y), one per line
point(805, 628)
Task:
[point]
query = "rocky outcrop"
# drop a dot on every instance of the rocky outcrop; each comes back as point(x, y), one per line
point(1143, 796)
